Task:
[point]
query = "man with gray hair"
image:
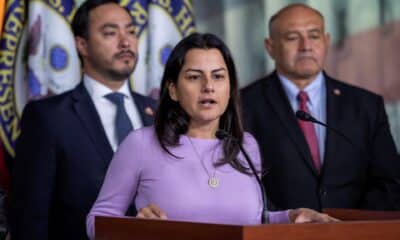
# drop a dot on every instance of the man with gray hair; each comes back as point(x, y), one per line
point(306, 164)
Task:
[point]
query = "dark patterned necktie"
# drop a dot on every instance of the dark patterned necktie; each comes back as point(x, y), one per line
point(122, 122)
point(309, 131)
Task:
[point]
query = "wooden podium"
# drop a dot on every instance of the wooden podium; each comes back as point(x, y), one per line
point(368, 225)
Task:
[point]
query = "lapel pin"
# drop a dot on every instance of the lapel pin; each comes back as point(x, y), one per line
point(149, 111)
point(337, 92)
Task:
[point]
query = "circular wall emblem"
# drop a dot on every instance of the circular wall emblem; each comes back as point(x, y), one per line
point(58, 58)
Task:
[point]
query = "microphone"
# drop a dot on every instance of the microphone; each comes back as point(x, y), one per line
point(305, 116)
point(222, 135)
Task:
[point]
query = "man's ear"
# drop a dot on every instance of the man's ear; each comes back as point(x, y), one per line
point(81, 45)
point(268, 46)
point(172, 91)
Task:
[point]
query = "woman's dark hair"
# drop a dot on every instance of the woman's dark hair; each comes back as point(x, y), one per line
point(171, 120)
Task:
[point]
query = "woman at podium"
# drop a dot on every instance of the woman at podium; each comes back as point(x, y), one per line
point(188, 166)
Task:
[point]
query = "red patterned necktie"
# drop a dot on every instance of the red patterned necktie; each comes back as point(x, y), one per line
point(309, 131)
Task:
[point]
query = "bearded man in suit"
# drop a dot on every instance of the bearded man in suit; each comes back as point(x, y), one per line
point(67, 141)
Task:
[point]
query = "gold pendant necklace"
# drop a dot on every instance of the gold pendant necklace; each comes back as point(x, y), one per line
point(213, 181)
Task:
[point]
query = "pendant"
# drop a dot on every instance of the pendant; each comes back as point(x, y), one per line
point(213, 182)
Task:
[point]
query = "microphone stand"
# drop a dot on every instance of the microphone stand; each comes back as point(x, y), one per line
point(220, 134)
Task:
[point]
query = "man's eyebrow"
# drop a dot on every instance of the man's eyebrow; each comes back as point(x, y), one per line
point(129, 25)
point(315, 30)
point(294, 31)
point(114, 25)
point(109, 25)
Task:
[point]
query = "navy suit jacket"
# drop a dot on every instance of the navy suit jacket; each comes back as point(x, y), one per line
point(360, 174)
point(61, 160)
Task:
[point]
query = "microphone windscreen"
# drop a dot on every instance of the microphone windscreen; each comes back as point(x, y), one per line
point(303, 115)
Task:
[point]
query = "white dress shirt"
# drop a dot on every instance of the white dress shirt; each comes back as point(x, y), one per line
point(316, 92)
point(107, 110)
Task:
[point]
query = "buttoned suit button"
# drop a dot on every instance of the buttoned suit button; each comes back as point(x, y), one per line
point(322, 192)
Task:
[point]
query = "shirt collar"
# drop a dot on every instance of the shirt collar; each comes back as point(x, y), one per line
point(99, 90)
point(313, 89)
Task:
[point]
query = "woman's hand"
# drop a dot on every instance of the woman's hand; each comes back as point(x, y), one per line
point(151, 211)
point(306, 215)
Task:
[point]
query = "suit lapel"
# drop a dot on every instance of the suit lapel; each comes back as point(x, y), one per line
point(141, 105)
point(333, 115)
point(86, 111)
point(281, 106)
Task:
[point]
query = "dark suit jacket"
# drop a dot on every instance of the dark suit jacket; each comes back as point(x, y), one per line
point(354, 175)
point(61, 159)
point(3, 214)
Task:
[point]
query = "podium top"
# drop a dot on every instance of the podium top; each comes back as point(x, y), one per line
point(360, 215)
point(145, 229)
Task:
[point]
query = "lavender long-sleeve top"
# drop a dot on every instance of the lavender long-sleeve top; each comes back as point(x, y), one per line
point(143, 172)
